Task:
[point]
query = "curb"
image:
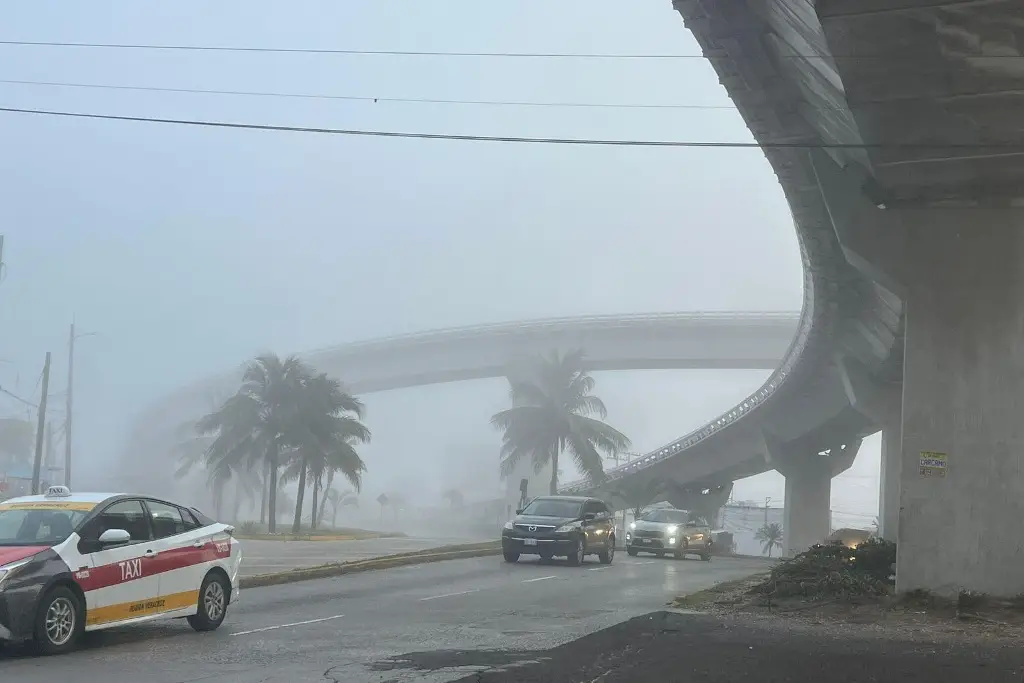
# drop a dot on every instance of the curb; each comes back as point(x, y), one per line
point(325, 571)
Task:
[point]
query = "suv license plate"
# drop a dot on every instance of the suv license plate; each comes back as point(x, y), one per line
point(529, 541)
point(645, 540)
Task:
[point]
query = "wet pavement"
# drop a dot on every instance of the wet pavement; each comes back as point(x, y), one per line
point(429, 622)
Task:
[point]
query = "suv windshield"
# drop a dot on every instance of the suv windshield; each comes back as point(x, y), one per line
point(553, 507)
point(37, 527)
point(670, 516)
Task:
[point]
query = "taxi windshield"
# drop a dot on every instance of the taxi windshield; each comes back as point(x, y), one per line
point(37, 526)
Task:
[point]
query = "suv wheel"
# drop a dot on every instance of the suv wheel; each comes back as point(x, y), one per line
point(631, 551)
point(511, 556)
point(682, 549)
point(576, 558)
point(608, 554)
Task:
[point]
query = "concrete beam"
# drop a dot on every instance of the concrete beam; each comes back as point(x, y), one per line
point(705, 501)
point(872, 238)
point(877, 402)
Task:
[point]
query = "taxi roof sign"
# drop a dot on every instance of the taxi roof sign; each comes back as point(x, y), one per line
point(58, 492)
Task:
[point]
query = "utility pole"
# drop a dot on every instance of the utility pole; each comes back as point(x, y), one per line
point(69, 417)
point(40, 427)
point(766, 501)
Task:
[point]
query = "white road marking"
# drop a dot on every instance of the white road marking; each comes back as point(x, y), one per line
point(540, 578)
point(297, 623)
point(450, 595)
point(596, 569)
point(648, 562)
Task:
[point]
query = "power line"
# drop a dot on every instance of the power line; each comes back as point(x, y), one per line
point(442, 53)
point(1017, 148)
point(366, 98)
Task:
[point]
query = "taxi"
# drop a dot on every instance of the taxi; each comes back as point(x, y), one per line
point(75, 562)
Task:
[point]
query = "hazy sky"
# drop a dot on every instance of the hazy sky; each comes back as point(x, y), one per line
point(189, 249)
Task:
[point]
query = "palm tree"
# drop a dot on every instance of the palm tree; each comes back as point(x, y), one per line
point(551, 412)
point(326, 431)
point(339, 500)
point(251, 428)
point(770, 537)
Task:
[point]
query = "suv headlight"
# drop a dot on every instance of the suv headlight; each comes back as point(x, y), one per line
point(671, 530)
point(566, 528)
point(632, 525)
point(508, 526)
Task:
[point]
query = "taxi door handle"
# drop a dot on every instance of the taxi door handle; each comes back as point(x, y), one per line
point(199, 544)
point(152, 553)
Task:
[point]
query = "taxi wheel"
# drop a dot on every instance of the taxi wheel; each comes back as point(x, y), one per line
point(59, 622)
point(213, 603)
point(681, 551)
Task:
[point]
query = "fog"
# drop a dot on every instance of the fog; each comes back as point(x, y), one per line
point(187, 250)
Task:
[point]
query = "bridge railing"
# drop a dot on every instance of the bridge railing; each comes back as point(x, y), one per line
point(741, 410)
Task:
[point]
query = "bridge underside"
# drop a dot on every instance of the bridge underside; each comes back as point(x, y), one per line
point(894, 128)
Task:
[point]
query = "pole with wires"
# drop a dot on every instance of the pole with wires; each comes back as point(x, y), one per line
point(41, 427)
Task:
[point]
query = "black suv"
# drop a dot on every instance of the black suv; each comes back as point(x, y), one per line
point(567, 526)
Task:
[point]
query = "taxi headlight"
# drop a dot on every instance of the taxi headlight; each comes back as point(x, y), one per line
point(7, 571)
point(508, 526)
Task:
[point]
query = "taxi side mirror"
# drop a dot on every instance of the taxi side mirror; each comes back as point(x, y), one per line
point(114, 537)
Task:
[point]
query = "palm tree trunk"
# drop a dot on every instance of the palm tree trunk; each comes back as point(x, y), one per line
point(272, 466)
point(297, 523)
point(323, 501)
point(313, 509)
point(263, 497)
point(554, 469)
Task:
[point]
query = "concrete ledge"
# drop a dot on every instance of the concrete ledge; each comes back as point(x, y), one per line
point(324, 571)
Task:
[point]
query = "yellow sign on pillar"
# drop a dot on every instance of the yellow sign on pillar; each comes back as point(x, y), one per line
point(933, 464)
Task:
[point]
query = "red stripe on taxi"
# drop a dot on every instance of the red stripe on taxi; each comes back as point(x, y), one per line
point(143, 566)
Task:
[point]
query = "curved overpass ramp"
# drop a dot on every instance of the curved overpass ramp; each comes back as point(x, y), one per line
point(699, 340)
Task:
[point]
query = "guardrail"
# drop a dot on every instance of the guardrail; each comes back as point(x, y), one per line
point(744, 408)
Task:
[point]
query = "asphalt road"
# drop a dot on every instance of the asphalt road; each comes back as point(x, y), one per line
point(429, 622)
point(265, 557)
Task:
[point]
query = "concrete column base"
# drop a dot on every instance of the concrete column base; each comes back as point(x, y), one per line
point(962, 476)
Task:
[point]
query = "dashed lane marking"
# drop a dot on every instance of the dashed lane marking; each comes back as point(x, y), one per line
point(449, 595)
point(297, 623)
point(540, 578)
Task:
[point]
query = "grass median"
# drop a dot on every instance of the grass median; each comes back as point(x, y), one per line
point(324, 571)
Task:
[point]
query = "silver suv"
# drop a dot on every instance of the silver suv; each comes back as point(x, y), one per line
point(666, 530)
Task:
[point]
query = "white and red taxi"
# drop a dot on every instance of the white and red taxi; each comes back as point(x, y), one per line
point(82, 562)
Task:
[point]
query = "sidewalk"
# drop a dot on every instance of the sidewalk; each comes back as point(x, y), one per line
point(669, 646)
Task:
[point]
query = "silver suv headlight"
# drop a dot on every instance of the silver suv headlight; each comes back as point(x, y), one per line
point(508, 526)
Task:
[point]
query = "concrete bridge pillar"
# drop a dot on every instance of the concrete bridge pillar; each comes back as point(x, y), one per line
point(807, 513)
point(962, 473)
point(882, 404)
point(889, 482)
point(707, 502)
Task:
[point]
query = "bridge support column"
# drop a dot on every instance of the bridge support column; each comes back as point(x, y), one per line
point(882, 404)
point(889, 482)
point(807, 514)
point(704, 501)
point(962, 478)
